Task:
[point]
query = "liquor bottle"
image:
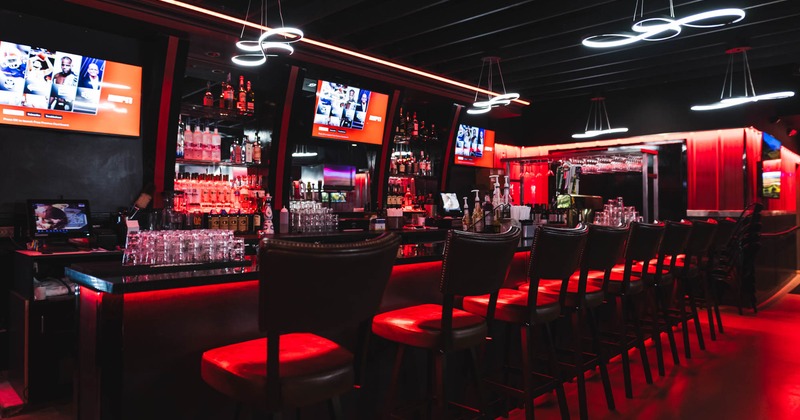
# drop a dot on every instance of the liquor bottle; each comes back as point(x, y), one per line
point(197, 136)
point(415, 127)
point(223, 88)
point(236, 156)
point(257, 214)
point(179, 142)
point(241, 99)
point(257, 151)
point(248, 150)
point(188, 142)
point(208, 98)
point(423, 132)
point(216, 142)
point(251, 100)
point(269, 228)
point(432, 135)
point(229, 99)
point(206, 145)
point(401, 126)
point(409, 126)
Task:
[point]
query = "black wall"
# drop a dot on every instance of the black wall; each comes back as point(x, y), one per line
point(45, 163)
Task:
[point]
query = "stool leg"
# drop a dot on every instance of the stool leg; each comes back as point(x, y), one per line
point(390, 394)
point(709, 308)
point(577, 337)
point(555, 371)
point(663, 307)
point(637, 329)
point(697, 327)
point(622, 346)
point(480, 394)
point(526, 333)
point(335, 408)
point(439, 387)
point(656, 335)
point(682, 314)
point(601, 359)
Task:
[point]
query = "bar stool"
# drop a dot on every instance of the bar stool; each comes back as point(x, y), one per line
point(443, 329)
point(342, 285)
point(555, 254)
point(688, 274)
point(604, 247)
point(660, 282)
point(710, 262)
point(623, 289)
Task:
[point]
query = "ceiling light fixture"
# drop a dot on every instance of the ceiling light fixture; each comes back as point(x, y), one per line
point(302, 151)
point(341, 50)
point(497, 99)
point(727, 98)
point(659, 29)
point(258, 51)
point(598, 123)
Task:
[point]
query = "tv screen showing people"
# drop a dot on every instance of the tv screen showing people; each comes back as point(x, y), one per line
point(474, 146)
point(349, 113)
point(45, 88)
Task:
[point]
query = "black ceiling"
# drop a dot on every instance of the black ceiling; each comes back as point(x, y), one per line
point(538, 41)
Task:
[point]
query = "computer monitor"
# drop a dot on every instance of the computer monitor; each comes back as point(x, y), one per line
point(59, 219)
point(449, 204)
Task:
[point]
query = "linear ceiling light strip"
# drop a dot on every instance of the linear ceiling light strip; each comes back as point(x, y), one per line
point(341, 50)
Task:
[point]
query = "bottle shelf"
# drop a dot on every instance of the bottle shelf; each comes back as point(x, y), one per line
point(182, 161)
point(425, 177)
point(230, 116)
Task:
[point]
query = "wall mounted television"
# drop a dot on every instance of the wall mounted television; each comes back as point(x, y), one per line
point(45, 88)
point(474, 146)
point(349, 113)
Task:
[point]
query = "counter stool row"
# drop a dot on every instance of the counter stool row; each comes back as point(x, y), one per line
point(635, 273)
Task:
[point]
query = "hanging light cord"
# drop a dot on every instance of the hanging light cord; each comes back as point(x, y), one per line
point(641, 10)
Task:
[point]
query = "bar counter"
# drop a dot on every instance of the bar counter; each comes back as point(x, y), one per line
point(141, 336)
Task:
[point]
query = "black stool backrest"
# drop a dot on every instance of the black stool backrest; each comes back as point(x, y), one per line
point(644, 240)
point(306, 287)
point(474, 264)
point(555, 254)
point(477, 263)
point(700, 240)
point(605, 246)
point(725, 230)
point(676, 236)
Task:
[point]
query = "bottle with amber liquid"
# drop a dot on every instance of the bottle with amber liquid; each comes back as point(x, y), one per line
point(241, 97)
point(251, 100)
point(208, 98)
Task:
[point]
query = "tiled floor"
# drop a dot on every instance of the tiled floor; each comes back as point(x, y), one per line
point(751, 372)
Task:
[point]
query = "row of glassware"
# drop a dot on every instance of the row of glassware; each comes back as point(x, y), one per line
point(165, 247)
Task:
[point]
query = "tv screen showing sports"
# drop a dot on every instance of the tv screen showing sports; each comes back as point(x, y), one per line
point(474, 146)
point(45, 88)
point(349, 113)
point(59, 218)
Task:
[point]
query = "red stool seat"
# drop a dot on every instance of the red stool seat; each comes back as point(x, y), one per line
point(615, 281)
point(305, 359)
point(512, 306)
point(594, 288)
point(421, 326)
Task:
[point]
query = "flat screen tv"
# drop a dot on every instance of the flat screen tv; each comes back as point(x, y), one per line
point(45, 88)
point(349, 113)
point(474, 146)
point(771, 178)
point(59, 218)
